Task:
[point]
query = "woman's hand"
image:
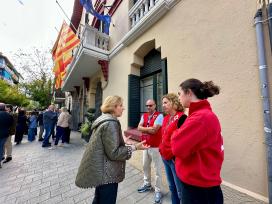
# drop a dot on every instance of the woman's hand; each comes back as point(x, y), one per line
point(129, 141)
point(141, 145)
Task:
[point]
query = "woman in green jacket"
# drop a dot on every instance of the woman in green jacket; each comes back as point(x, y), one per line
point(103, 162)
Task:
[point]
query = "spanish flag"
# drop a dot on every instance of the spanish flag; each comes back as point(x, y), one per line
point(62, 52)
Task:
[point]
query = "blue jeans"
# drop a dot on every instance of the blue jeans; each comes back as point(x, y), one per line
point(105, 194)
point(31, 134)
point(48, 131)
point(173, 181)
point(2, 145)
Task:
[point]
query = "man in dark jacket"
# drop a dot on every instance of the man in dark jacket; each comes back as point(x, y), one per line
point(8, 144)
point(6, 121)
point(49, 120)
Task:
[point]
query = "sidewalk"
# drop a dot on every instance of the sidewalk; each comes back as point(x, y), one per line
point(39, 175)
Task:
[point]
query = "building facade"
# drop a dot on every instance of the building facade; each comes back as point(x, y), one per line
point(7, 71)
point(153, 46)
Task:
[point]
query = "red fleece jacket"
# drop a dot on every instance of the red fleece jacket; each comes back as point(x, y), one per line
point(169, 125)
point(198, 147)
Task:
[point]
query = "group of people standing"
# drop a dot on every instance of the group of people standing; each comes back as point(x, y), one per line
point(63, 122)
point(188, 143)
point(19, 123)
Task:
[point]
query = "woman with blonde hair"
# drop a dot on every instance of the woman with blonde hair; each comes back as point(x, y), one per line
point(104, 160)
point(174, 114)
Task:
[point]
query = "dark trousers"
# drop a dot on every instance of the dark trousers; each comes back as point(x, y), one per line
point(2, 144)
point(199, 195)
point(60, 134)
point(106, 194)
point(67, 134)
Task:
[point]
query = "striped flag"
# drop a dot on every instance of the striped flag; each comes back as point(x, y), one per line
point(62, 52)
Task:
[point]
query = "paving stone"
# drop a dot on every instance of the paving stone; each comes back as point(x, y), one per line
point(38, 175)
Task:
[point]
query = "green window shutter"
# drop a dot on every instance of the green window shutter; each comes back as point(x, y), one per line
point(133, 100)
point(164, 75)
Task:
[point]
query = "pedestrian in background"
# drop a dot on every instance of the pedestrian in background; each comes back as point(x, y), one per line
point(32, 126)
point(49, 121)
point(12, 130)
point(62, 125)
point(40, 124)
point(174, 111)
point(104, 160)
point(20, 127)
point(6, 121)
point(198, 145)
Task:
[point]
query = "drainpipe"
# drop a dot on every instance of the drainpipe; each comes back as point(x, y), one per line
point(265, 94)
point(269, 15)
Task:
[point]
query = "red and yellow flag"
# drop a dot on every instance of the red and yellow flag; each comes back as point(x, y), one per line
point(62, 52)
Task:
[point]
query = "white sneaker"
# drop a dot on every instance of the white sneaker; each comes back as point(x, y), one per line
point(158, 197)
point(61, 145)
point(53, 147)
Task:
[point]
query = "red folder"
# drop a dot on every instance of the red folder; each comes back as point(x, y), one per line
point(134, 134)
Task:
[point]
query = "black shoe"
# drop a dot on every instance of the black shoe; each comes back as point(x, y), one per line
point(40, 140)
point(144, 188)
point(46, 145)
point(7, 159)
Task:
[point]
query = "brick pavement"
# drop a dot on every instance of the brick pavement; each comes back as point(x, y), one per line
point(39, 175)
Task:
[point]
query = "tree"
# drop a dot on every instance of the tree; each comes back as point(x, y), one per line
point(10, 95)
point(36, 67)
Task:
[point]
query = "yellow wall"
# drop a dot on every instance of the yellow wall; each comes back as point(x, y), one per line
point(119, 23)
point(212, 41)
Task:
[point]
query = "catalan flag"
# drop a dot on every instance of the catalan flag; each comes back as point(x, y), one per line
point(62, 52)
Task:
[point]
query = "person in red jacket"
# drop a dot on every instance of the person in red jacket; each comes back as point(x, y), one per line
point(198, 145)
point(174, 111)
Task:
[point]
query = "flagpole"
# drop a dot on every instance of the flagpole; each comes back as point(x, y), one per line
point(66, 15)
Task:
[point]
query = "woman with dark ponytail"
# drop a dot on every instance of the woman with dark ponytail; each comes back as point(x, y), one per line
point(198, 145)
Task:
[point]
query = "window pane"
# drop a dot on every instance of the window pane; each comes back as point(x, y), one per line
point(146, 87)
point(159, 92)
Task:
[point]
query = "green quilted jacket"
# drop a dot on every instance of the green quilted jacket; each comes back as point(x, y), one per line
point(105, 156)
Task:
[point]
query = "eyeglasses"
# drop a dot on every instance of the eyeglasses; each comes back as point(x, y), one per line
point(149, 105)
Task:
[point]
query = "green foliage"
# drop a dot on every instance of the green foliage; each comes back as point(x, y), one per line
point(33, 105)
point(36, 67)
point(10, 95)
point(39, 90)
point(85, 128)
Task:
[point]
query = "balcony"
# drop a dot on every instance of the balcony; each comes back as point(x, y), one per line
point(93, 47)
point(142, 15)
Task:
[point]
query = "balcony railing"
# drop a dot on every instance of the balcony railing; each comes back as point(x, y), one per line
point(91, 37)
point(140, 9)
point(93, 43)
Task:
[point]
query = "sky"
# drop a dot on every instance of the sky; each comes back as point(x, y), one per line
point(28, 23)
